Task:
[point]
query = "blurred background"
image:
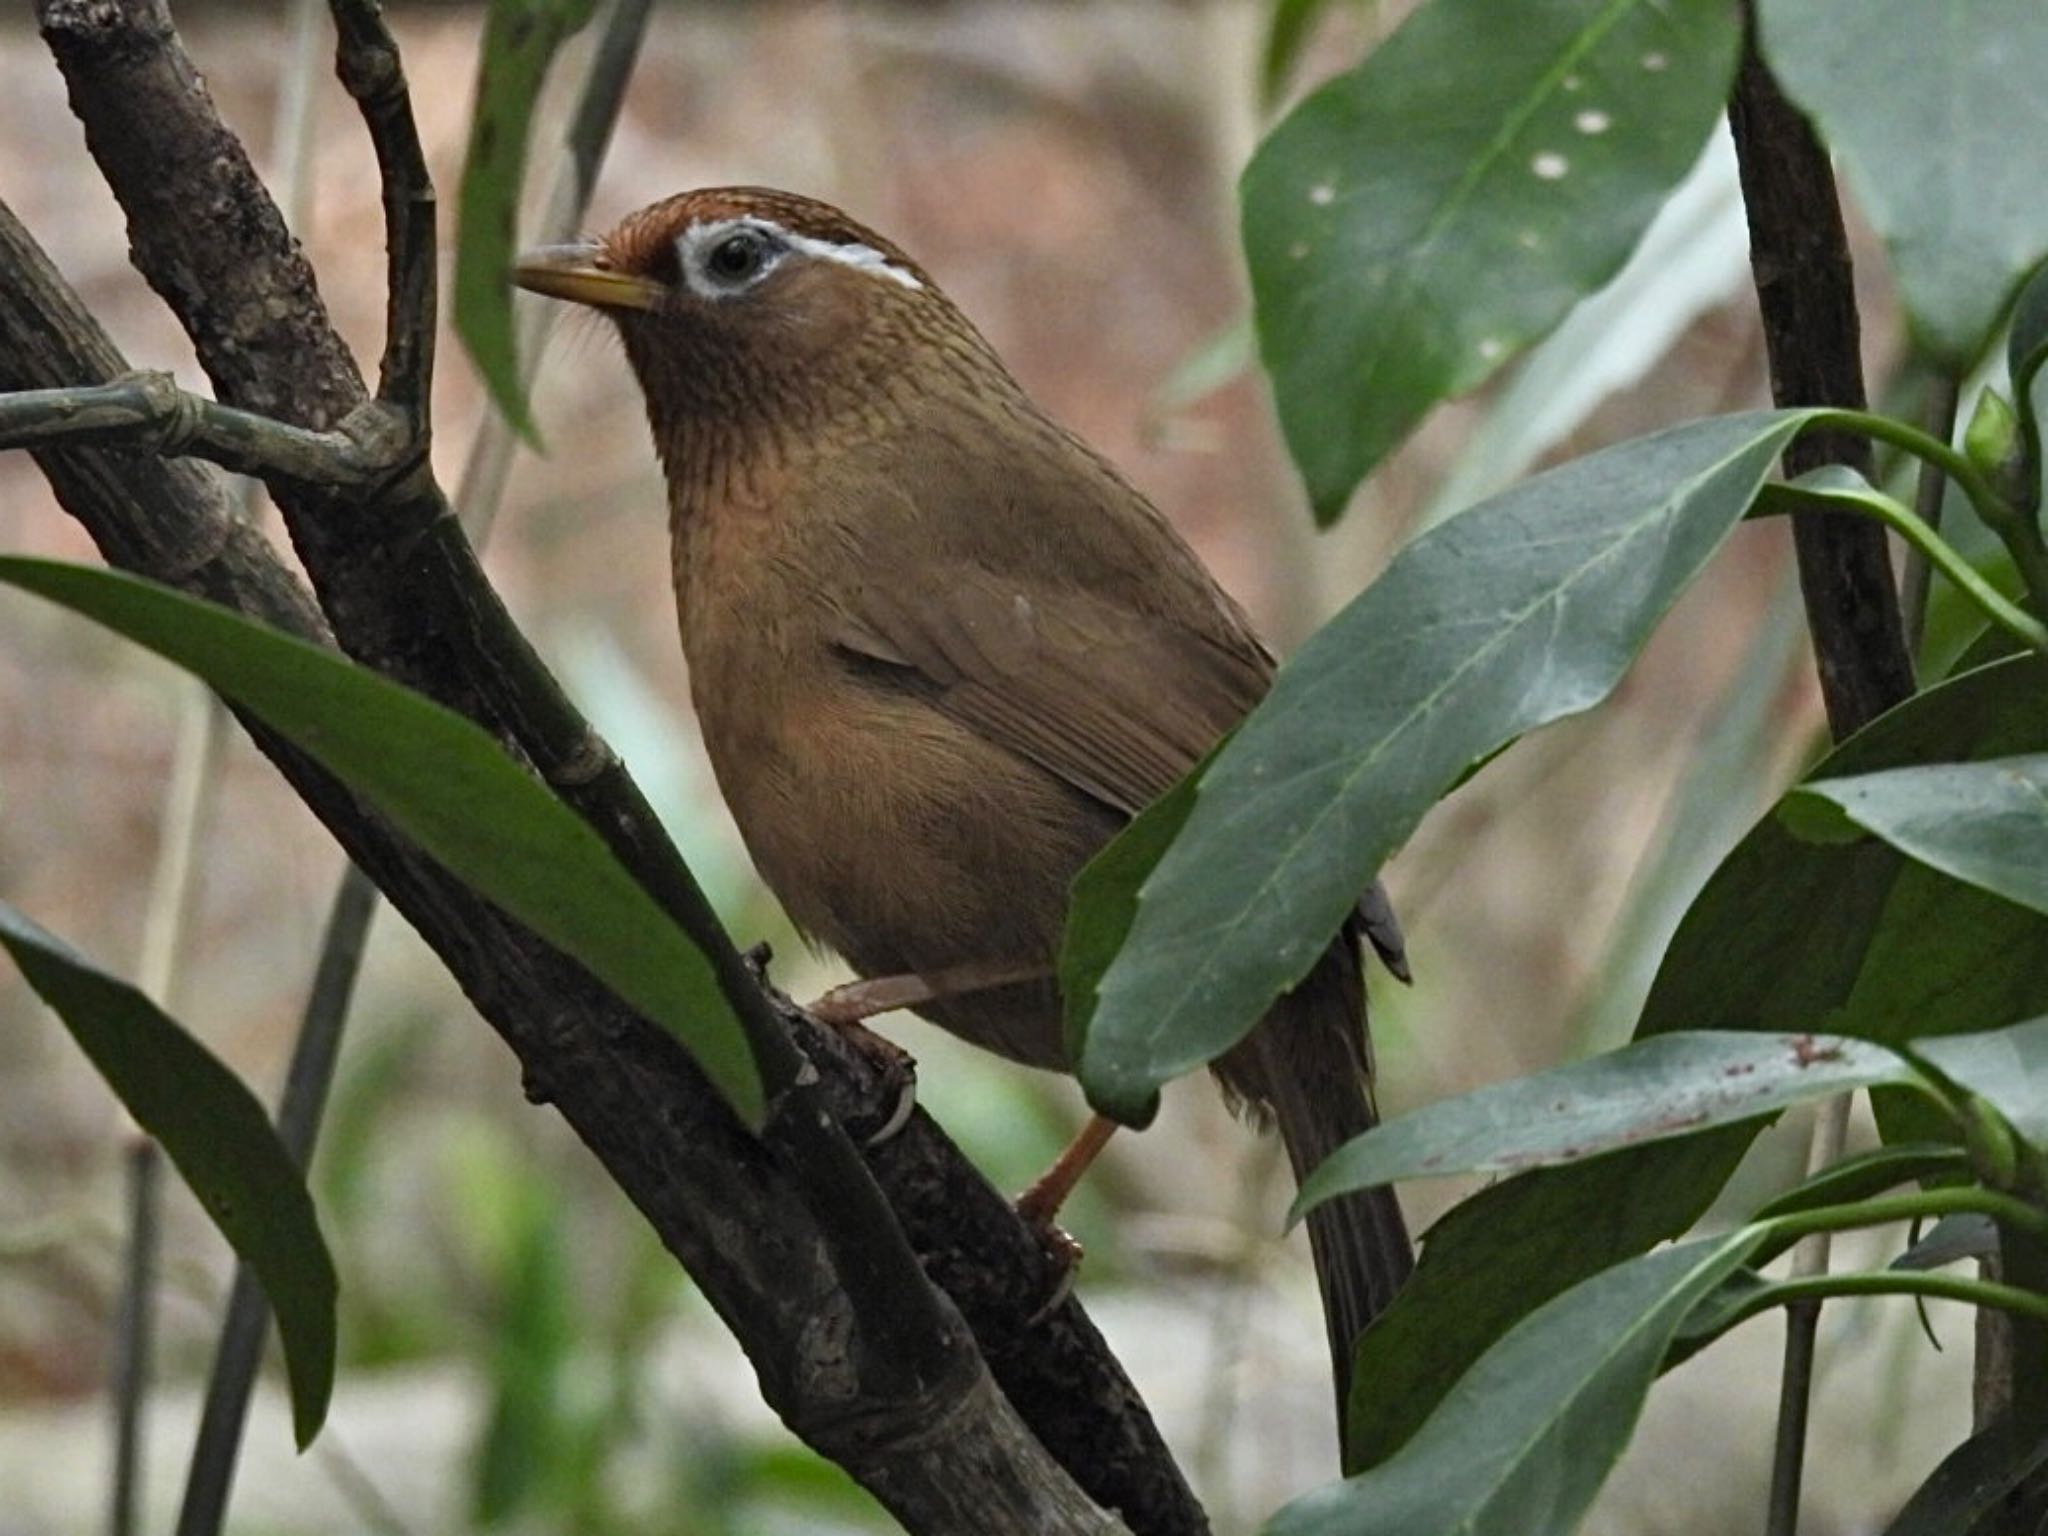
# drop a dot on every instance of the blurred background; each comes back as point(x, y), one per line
point(518, 1353)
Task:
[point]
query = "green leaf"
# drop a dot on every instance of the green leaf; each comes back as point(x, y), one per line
point(1830, 488)
point(448, 786)
point(1962, 1496)
point(1525, 608)
point(1985, 823)
point(520, 41)
point(1936, 113)
point(1867, 1174)
point(1671, 1085)
point(1884, 949)
point(218, 1136)
point(1957, 1236)
point(2008, 1068)
point(1715, 1313)
point(1525, 1441)
point(1499, 1255)
point(1693, 259)
point(1106, 891)
point(1416, 222)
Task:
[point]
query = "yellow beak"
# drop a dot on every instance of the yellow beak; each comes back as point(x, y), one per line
point(575, 273)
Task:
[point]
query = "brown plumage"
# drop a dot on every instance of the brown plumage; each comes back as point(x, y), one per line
point(939, 648)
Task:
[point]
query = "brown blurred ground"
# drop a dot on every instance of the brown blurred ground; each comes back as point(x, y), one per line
point(1066, 172)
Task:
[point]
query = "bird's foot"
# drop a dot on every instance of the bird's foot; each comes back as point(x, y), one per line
point(896, 1066)
point(1040, 1205)
point(846, 1008)
point(897, 1069)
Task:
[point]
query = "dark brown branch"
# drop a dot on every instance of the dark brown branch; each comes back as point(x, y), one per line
point(243, 275)
point(367, 61)
point(1799, 255)
point(1806, 290)
point(404, 594)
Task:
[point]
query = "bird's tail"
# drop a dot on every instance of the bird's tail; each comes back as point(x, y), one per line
point(1313, 1056)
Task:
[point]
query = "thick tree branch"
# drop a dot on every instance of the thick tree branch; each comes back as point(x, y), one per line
point(404, 594)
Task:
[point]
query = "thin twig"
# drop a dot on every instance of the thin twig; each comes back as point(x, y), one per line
point(134, 1329)
point(298, 1124)
point(186, 807)
point(1802, 1324)
point(367, 61)
point(1928, 494)
point(148, 410)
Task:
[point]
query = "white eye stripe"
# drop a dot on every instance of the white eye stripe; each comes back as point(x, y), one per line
point(865, 258)
point(695, 244)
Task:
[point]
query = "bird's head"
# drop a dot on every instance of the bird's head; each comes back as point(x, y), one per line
point(743, 305)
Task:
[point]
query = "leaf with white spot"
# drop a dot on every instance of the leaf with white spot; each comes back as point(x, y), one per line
point(1420, 220)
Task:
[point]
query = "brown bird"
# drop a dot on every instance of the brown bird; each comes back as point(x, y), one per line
point(941, 651)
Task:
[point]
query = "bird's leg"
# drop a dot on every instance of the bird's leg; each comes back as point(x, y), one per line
point(1042, 1201)
point(858, 1001)
point(1039, 1204)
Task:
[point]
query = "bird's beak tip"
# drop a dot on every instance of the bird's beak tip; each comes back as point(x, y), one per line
point(575, 273)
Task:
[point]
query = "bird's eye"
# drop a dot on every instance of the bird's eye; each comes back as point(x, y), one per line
point(739, 256)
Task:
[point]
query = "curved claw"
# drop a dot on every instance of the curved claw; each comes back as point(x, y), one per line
point(899, 1117)
point(1065, 1253)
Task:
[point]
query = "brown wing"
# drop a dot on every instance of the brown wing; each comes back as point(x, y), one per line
point(1043, 657)
point(1116, 703)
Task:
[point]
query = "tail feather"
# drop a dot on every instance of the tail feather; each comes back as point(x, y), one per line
point(1313, 1059)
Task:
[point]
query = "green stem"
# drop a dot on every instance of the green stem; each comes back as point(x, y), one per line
point(1783, 1231)
point(1978, 1293)
point(1943, 556)
point(2019, 532)
point(1949, 460)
